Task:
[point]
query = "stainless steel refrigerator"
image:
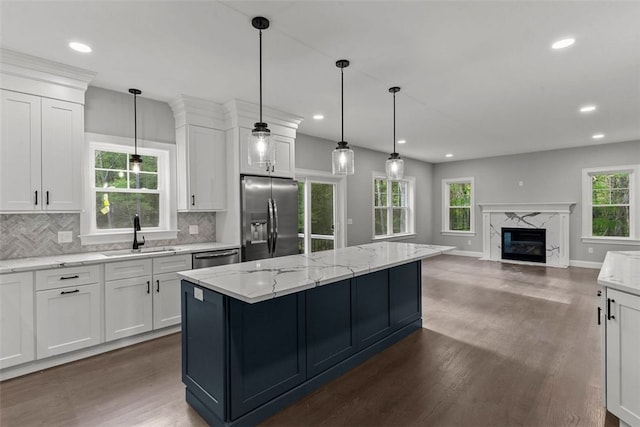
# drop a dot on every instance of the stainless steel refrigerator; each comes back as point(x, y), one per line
point(269, 217)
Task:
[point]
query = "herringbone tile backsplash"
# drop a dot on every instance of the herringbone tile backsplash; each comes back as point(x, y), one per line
point(31, 235)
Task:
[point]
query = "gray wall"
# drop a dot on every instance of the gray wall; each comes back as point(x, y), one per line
point(111, 113)
point(315, 153)
point(548, 176)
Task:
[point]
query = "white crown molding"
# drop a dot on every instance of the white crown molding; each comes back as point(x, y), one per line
point(30, 74)
point(560, 207)
point(244, 114)
point(189, 110)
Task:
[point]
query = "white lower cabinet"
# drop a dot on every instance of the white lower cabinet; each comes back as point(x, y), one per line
point(128, 305)
point(147, 302)
point(68, 319)
point(623, 356)
point(16, 319)
point(166, 300)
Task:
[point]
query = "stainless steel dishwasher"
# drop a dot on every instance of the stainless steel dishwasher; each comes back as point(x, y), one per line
point(214, 258)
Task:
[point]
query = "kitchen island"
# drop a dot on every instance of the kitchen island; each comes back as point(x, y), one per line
point(259, 335)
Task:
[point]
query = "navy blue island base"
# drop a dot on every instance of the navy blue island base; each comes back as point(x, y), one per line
point(241, 362)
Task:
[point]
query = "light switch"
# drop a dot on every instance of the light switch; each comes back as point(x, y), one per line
point(198, 294)
point(193, 229)
point(65, 237)
point(349, 221)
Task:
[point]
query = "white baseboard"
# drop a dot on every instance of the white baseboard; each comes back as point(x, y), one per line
point(49, 362)
point(572, 263)
point(585, 264)
point(465, 253)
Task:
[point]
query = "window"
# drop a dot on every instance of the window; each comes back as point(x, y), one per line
point(116, 194)
point(458, 206)
point(609, 199)
point(393, 213)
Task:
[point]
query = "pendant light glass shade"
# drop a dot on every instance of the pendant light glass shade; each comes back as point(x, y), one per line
point(260, 145)
point(135, 162)
point(342, 158)
point(394, 165)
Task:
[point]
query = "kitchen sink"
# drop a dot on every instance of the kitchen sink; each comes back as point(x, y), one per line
point(123, 252)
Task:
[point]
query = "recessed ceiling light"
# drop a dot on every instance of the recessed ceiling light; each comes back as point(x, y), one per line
point(318, 117)
point(561, 44)
point(598, 136)
point(402, 141)
point(448, 155)
point(80, 47)
point(587, 108)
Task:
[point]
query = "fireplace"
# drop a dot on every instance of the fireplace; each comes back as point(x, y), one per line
point(524, 244)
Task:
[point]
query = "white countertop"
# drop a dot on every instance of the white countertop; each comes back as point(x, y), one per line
point(621, 271)
point(256, 281)
point(70, 260)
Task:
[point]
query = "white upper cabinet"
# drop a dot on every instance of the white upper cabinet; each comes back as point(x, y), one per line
point(42, 132)
point(284, 157)
point(201, 154)
point(202, 171)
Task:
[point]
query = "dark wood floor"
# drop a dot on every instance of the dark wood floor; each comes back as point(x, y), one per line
point(502, 345)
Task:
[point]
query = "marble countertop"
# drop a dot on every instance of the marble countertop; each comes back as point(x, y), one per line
point(256, 281)
point(621, 271)
point(70, 260)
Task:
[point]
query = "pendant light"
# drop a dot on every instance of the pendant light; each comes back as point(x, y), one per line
point(342, 157)
point(395, 165)
point(136, 159)
point(260, 147)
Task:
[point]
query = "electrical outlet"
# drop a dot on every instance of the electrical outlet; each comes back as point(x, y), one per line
point(590, 250)
point(468, 242)
point(65, 237)
point(520, 183)
point(193, 229)
point(349, 221)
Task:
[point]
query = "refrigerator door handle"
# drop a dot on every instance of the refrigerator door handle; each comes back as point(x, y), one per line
point(270, 226)
point(275, 225)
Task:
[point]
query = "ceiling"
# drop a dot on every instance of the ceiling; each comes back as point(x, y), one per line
point(477, 78)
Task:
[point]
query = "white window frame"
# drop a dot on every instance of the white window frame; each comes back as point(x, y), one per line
point(446, 231)
point(309, 176)
point(411, 186)
point(167, 229)
point(634, 209)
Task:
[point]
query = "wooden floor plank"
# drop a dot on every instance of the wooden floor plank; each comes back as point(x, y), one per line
point(501, 345)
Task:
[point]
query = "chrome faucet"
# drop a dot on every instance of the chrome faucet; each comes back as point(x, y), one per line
point(136, 228)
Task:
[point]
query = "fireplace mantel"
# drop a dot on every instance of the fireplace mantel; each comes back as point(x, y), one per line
point(559, 207)
point(552, 216)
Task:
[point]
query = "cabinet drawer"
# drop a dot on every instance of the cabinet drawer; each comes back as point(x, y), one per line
point(127, 269)
point(171, 264)
point(67, 276)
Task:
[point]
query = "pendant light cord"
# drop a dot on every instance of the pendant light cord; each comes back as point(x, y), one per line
point(135, 123)
point(260, 38)
point(394, 122)
point(342, 100)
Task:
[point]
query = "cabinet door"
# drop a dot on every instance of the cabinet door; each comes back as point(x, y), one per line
point(16, 319)
point(68, 319)
point(372, 308)
point(405, 293)
point(207, 169)
point(20, 178)
point(330, 325)
point(128, 307)
point(284, 157)
point(166, 300)
point(623, 363)
point(62, 147)
point(267, 350)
